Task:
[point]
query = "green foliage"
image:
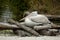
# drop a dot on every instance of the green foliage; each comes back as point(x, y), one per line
point(1, 7)
point(16, 6)
point(19, 6)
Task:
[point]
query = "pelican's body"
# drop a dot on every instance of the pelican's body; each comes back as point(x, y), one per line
point(36, 19)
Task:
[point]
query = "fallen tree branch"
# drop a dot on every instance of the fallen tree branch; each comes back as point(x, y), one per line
point(7, 25)
point(53, 16)
point(54, 26)
point(23, 33)
point(25, 28)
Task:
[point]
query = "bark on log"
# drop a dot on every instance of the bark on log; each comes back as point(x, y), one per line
point(23, 33)
point(25, 28)
point(41, 27)
point(54, 26)
point(53, 16)
point(7, 25)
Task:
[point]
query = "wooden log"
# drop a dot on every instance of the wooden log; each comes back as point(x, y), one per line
point(49, 32)
point(53, 26)
point(53, 16)
point(32, 31)
point(13, 26)
point(23, 33)
point(7, 25)
point(41, 27)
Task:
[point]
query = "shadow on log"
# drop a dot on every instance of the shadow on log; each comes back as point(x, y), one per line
point(28, 29)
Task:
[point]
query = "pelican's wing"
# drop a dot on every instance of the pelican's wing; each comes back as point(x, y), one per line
point(40, 19)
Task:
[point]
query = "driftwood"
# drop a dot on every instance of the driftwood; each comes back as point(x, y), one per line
point(49, 32)
point(7, 25)
point(41, 27)
point(30, 30)
point(53, 16)
point(54, 26)
point(22, 33)
point(13, 26)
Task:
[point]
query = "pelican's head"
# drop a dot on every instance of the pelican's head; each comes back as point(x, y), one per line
point(34, 13)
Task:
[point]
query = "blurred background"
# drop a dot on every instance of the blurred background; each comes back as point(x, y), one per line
point(15, 8)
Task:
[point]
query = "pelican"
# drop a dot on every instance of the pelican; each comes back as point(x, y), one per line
point(35, 19)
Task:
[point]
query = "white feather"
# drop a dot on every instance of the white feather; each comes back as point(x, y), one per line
point(35, 19)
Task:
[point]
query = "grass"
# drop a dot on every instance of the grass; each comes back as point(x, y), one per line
point(6, 33)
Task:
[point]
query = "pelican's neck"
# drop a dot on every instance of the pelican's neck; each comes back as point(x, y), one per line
point(35, 13)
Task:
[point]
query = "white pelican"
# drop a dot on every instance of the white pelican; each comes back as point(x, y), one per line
point(35, 19)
